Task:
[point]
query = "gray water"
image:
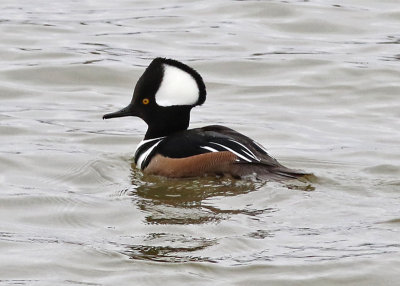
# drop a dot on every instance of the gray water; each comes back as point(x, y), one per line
point(316, 82)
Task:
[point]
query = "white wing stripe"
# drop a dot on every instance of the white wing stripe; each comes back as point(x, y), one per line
point(234, 152)
point(251, 155)
point(209, 148)
point(248, 152)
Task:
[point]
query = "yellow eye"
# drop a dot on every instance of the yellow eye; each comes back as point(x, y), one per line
point(145, 101)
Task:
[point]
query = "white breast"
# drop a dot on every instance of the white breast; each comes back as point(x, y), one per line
point(143, 155)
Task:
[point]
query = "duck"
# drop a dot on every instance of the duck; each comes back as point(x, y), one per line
point(163, 97)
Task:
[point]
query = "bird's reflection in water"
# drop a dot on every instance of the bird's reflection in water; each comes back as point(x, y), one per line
point(181, 202)
point(168, 247)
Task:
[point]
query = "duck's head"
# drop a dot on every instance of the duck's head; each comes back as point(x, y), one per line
point(164, 96)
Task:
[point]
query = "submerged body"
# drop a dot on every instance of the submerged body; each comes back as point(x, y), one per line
point(163, 98)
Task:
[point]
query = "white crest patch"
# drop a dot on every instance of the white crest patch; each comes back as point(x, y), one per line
point(177, 88)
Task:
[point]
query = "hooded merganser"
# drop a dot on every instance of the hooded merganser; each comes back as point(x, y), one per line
point(163, 97)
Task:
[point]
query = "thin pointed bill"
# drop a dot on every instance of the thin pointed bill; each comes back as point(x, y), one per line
point(127, 111)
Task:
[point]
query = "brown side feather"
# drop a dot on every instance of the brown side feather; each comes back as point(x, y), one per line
point(217, 163)
point(193, 166)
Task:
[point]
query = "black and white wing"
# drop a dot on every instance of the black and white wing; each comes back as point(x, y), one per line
point(215, 138)
point(251, 157)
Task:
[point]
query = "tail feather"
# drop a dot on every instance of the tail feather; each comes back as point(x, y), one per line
point(266, 172)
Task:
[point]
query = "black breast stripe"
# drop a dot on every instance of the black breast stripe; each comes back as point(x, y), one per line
point(145, 151)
